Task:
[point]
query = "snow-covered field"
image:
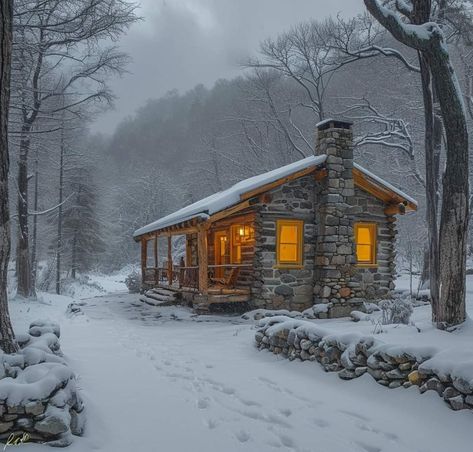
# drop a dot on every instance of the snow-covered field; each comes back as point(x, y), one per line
point(161, 379)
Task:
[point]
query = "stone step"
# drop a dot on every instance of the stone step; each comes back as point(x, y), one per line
point(160, 297)
point(164, 292)
point(154, 302)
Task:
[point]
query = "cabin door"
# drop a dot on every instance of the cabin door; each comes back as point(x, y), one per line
point(221, 252)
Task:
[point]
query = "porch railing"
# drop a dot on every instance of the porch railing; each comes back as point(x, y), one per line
point(185, 277)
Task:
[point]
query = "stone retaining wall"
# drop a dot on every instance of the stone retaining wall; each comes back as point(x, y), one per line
point(352, 355)
point(39, 400)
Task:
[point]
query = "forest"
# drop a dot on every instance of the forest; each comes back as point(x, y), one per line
point(77, 196)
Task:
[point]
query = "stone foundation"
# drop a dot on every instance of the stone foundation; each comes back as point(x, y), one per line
point(388, 365)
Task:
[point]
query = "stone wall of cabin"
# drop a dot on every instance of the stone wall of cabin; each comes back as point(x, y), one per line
point(375, 282)
point(284, 288)
point(365, 283)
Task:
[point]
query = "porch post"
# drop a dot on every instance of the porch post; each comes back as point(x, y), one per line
point(169, 259)
point(202, 248)
point(156, 271)
point(144, 246)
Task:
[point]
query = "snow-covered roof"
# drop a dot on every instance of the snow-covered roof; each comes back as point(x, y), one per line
point(227, 198)
point(224, 199)
point(385, 184)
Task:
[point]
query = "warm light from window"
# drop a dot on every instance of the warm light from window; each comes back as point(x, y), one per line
point(289, 242)
point(365, 238)
point(241, 234)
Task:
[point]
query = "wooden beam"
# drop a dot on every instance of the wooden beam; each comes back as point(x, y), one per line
point(395, 209)
point(321, 174)
point(156, 251)
point(144, 247)
point(227, 212)
point(225, 222)
point(169, 260)
point(156, 271)
point(264, 188)
point(379, 191)
point(202, 248)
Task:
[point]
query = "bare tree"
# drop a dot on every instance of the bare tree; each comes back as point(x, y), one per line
point(7, 338)
point(59, 56)
point(428, 39)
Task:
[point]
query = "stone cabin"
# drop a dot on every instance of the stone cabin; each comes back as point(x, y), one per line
point(318, 231)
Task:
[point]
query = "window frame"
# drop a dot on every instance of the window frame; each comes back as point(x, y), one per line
point(373, 231)
point(238, 244)
point(299, 244)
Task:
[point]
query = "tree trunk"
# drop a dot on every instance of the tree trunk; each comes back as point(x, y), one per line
point(7, 338)
point(23, 262)
point(455, 195)
point(74, 256)
point(34, 245)
point(431, 185)
point(59, 215)
point(429, 40)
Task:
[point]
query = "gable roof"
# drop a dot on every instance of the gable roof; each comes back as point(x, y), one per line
point(224, 199)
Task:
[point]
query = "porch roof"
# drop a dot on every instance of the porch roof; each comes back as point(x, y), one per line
point(222, 200)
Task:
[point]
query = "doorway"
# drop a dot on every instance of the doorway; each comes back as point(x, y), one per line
point(221, 252)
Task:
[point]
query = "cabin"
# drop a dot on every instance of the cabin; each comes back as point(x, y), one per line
point(320, 230)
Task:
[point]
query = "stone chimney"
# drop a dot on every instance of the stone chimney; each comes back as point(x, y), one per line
point(335, 247)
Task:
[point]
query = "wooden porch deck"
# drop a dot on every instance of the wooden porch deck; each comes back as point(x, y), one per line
point(215, 293)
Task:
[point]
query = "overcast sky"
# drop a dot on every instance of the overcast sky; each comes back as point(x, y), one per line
point(181, 43)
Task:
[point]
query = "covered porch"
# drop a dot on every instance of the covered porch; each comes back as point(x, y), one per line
point(213, 265)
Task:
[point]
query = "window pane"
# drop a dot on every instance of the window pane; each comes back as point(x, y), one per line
point(288, 253)
point(236, 256)
point(288, 234)
point(363, 253)
point(223, 242)
point(363, 235)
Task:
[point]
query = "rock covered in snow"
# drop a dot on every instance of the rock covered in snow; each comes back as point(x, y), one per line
point(38, 391)
point(353, 355)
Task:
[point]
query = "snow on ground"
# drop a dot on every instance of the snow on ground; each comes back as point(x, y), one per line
point(164, 379)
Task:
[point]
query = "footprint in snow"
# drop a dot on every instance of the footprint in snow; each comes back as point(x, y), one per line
point(368, 447)
point(285, 412)
point(203, 403)
point(287, 441)
point(355, 415)
point(321, 423)
point(249, 402)
point(211, 424)
point(242, 436)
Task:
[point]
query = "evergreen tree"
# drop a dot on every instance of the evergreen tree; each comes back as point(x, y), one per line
point(81, 227)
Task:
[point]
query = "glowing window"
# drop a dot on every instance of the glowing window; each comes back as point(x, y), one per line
point(290, 240)
point(365, 239)
point(242, 234)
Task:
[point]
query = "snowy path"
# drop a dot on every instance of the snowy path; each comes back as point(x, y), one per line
point(175, 384)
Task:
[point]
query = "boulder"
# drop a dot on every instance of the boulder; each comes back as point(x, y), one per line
point(415, 378)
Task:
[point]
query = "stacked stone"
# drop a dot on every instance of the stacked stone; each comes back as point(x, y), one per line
point(456, 391)
point(53, 417)
point(375, 282)
point(335, 254)
point(39, 419)
point(277, 288)
point(352, 360)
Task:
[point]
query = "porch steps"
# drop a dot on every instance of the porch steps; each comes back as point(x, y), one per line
point(163, 292)
point(159, 297)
